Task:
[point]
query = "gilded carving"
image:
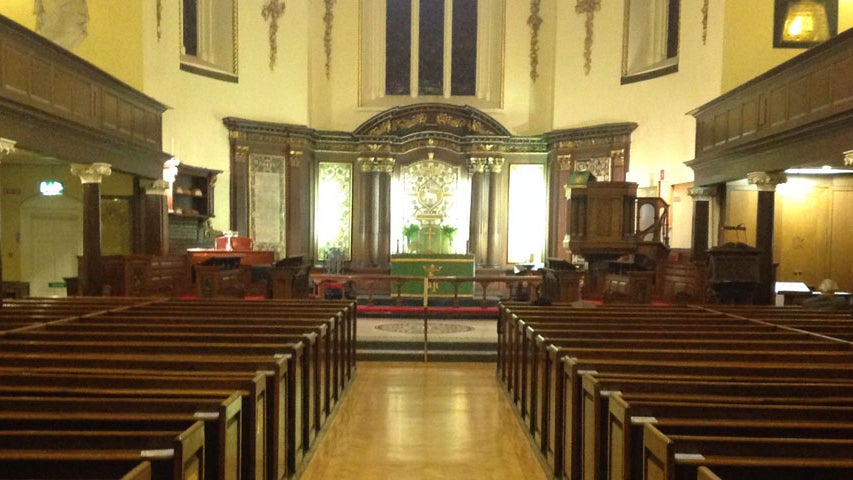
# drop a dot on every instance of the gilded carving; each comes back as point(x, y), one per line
point(535, 21)
point(294, 158)
point(271, 13)
point(241, 154)
point(377, 164)
point(618, 157)
point(565, 162)
point(588, 7)
point(328, 18)
point(412, 121)
point(450, 120)
point(381, 129)
point(159, 19)
point(848, 158)
point(705, 22)
point(598, 166)
point(432, 185)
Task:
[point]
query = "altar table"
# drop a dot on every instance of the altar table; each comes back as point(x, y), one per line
point(434, 265)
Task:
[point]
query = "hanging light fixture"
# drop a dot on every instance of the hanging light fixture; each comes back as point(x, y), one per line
point(806, 21)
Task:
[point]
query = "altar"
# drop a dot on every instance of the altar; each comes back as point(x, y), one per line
point(434, 265)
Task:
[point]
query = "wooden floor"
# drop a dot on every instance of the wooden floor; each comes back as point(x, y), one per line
point(424, 421)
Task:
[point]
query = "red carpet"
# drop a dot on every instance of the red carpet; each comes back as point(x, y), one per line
point(488, 311)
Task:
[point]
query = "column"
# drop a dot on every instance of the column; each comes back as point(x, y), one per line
point(299, 193)
point(6, 147)
point(477, 226)
point(766, 183)
point(155, 217)
point(91, 176)
point(495, 167)
point(701, 221)
point(378, 207)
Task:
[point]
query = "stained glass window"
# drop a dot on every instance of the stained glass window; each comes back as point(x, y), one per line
point(334, 208)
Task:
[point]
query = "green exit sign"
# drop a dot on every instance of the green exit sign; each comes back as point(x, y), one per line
point(56, 284)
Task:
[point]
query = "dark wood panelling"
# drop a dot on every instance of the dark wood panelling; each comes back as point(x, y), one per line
point(51, 88)
point(777, 111)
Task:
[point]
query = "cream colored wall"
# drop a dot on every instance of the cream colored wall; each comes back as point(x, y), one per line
point(334, 101)
point(21, 11)
point(192, 128)
point(20, 183)
point(110, 23)
point(748, 41)
point(664, 138)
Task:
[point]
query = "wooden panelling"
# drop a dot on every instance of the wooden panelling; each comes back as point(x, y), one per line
point(841, 262)
point(842, 84)
point(798, 100)
point(15, 71)
point(40, 85)
point(125, 118)
point(777, 114)
point(750, 117)
point(789, 103)
point(802, 247)
point(818, 91)
point(109, 110)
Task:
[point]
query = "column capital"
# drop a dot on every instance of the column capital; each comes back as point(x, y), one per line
point(564, 160)
point(848, 158)
point(294, 158)
point(766, 181)
point(91, 172)
point(702, 193)
point(377, 164)
point(7, 146)
point(489, 164)
point(155, 187)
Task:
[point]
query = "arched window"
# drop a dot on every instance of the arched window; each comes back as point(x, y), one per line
point(431, 49)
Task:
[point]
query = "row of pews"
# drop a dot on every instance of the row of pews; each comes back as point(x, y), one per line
point(139, 389)
point(682, 393)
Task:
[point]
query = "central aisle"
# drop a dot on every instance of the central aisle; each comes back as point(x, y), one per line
point(416, 421)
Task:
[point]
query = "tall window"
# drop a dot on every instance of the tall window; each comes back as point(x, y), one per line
point(450, 49)
point(208, 38)
point(333, 214)
point(527, 219)
point(651, 39)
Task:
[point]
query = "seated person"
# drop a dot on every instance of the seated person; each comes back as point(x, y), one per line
point(827, 300)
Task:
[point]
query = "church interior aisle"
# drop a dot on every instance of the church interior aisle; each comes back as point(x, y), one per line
point(424, 421)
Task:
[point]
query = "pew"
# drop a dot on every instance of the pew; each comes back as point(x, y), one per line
point(610, 430)
point(60, 382)
point(48, 466)
point(283, 451)
point(183, 460)
point(677, 457)
point(221, 416)
point(517, 368)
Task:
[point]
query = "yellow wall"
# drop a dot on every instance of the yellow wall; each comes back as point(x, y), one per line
point(748, 41)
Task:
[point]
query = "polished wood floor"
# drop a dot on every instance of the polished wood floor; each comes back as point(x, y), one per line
point(416, 421)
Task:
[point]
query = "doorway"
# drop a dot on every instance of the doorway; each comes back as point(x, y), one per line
point(51, 241)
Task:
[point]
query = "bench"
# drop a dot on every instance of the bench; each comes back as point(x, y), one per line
point(183, 460)
point(61, 382)
point(221, 418)
point(610, 421)
point(678, 457)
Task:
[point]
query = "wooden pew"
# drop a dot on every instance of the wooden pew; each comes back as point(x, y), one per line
point(184, 460)
point(771, 469)
point(221, 416)
point(49, 466)
point(609, 430)
point(678, 457)
point(301, 428)
point(283, 452)
point(102, 383)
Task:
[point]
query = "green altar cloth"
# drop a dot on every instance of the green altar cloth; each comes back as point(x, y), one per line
point(434, 265)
